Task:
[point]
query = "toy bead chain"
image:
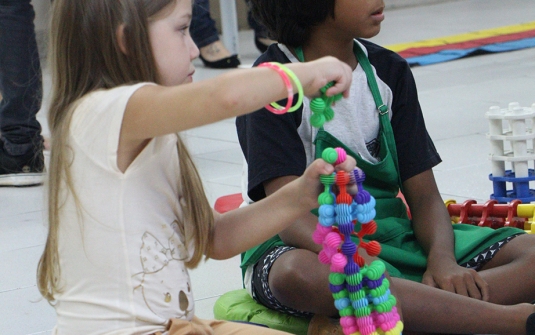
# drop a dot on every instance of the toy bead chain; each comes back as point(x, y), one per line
point(321, 107)
point(361, 292)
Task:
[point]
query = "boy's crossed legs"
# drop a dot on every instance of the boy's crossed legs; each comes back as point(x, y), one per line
point(296, 276)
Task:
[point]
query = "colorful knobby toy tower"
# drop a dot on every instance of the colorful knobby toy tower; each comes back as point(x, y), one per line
point(512, 139)
point(361, 292)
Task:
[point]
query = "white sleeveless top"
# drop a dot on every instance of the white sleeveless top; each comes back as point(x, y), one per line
point(122, 249)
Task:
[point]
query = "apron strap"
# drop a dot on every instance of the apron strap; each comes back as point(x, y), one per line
point(372, 83)
point(381, 107)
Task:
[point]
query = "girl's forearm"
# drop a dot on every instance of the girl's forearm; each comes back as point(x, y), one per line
point(243, 228)
point(156, 110)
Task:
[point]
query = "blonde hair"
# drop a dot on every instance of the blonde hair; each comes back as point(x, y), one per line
point(85, 56)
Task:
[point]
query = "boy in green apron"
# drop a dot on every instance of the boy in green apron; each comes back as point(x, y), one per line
point(382, 126)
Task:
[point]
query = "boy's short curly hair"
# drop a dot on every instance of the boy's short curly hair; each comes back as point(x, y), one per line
point(289, 21)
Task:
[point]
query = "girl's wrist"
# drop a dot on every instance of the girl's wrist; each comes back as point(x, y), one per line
point(275, 107)
point(301, 70)
point(292, 83)
point(297, 86)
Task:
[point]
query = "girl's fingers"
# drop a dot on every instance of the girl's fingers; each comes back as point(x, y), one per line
point(319, 167)
point(342, 80)
point(348, 165)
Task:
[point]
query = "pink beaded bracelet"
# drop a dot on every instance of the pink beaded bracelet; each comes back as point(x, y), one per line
point(274, 107)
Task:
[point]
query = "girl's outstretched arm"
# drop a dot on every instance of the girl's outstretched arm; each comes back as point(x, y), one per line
point(243, 228)
point(157, 110)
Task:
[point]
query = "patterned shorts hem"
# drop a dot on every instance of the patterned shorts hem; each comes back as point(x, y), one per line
point(260, 285)
point(487, 254)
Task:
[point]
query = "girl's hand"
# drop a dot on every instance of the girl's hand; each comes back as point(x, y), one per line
point(316, 74)
point(309, 185)
point(272, 214)
point(331, 69)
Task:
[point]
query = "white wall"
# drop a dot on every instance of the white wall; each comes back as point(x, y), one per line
point(41, 8)
point(407, 3)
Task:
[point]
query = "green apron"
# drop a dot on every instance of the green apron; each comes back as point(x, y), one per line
point(402, 254)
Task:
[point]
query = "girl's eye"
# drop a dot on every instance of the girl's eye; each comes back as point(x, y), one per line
point(184, 30)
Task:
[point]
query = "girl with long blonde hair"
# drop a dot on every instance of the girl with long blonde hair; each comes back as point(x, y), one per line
point(127, 212)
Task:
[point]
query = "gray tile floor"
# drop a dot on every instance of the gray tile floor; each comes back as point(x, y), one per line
point(454, 97)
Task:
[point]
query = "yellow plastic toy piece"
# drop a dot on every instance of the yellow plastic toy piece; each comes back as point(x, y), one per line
point(527, 211)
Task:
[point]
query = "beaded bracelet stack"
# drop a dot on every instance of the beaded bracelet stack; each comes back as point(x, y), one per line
point(361, 292)
point(286, 74)
point(320, 106)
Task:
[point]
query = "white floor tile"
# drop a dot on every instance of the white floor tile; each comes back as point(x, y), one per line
point(25, 312)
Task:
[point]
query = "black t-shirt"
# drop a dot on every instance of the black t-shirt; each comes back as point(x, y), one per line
point(273, 146)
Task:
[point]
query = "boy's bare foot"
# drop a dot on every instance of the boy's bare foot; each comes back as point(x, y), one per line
point(323, 325)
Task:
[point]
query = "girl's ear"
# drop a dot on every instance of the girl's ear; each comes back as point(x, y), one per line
point(121, 39)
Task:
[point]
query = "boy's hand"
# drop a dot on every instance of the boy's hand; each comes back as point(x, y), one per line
point(453, 278)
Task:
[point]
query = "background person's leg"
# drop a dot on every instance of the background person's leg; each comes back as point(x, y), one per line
point(205, 35)
point(202, 28)
point(21, 157)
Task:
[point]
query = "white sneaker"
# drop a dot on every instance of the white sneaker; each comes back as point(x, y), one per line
point(22, 179)
point(23, 170)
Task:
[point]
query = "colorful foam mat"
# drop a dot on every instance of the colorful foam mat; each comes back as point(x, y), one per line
point(448, 48)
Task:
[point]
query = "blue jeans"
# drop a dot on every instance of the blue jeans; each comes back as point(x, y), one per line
point(202, 28)
point(20, 78)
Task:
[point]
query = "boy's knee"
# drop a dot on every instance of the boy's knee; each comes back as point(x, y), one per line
point(285, 273)
point(297, 272)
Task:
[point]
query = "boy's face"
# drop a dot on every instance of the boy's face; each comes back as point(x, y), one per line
point(359, 18)
point(172, 46)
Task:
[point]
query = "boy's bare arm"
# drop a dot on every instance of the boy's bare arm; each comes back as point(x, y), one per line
point(433, 229)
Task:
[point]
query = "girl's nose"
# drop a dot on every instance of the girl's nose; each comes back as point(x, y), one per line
point(194, 51)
